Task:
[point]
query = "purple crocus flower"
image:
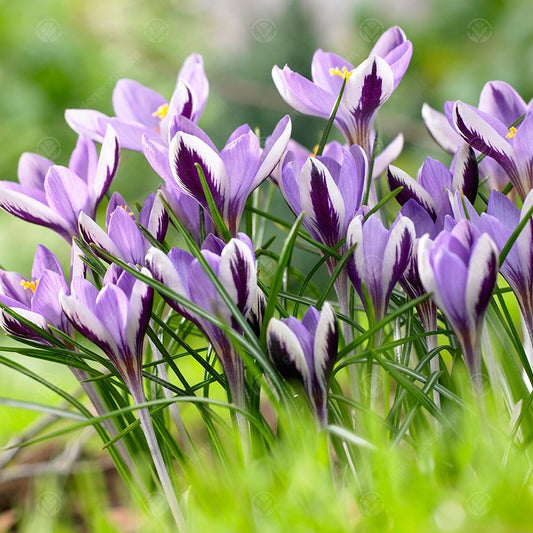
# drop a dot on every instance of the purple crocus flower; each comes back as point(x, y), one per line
point(509, 147)
point(367, 87)
point(142, 111)
point(499, 104)
point(53, 196)
point(500, 221)
point(115, 318)
point(306, 351)
point(234, 265)
point(380, 257)
point(328, 188)
point(36, 299)
point(231, 174)
point(434, 181)
point(185, 207)
point(123, 238)
point(460, 269)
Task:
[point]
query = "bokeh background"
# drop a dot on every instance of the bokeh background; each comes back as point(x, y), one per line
point(69, 54)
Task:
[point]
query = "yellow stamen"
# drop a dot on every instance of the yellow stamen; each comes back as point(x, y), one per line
point(32, 285)
point(125, 208)
point(161, 111)
point(512, 132)
point(315, 150)
point(344, 73)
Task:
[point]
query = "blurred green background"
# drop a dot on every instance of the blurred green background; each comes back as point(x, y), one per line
point(69, 54)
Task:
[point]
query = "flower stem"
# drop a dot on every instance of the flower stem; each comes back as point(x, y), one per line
point(162, 472)
point(343, 295)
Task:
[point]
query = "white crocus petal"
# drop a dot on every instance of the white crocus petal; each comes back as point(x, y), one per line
point(397, 251)
point(272, 153)
point(292, 349)
point(320, 198)
point(106, 168)
point(323, 351)
point(185, 150)
point(163, 270)
point(92, 233)
point(237, 274)
point(482, 274)
point(425, 270)
point(87, 323)
point(440, 129)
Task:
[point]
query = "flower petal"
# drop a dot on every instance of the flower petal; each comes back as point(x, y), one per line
point(412, 190)
point(322, 201)
point(134, 102)
point(184, 152)
point(440, 129)
point(302, 94)
point(107, 167)
point(286, 352)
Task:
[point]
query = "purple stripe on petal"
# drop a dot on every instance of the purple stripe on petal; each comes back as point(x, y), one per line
point(286, 352)
point(482, 274)
point(88, 324)
point(322, 201)
point(107, 167)
point(412, 190)
point(465, 172)
point(483, 137)
point(186, 150)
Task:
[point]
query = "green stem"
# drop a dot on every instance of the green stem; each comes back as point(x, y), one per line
point(155, 451)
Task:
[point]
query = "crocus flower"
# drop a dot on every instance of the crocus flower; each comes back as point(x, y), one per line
point(367, 87)
point(328, 188)
point(460, 269)
point(115, 319)
point(509, 147)
point(234, 265)
point(434, 181)
point(231, 174)
point(53, 196)
point(123, 238)
point(500, 221)
point(306, 351)
point(36, 299)
point(197, 222)
point(500, 104)
point(142, 111)
point(380, 257)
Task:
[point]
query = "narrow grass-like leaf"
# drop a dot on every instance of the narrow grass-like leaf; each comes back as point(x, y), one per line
point(213, 209)
point(41, 408)
point(277, 277)
point(512, 239)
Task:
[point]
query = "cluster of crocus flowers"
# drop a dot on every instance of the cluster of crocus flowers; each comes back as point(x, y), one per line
point(437, 244)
